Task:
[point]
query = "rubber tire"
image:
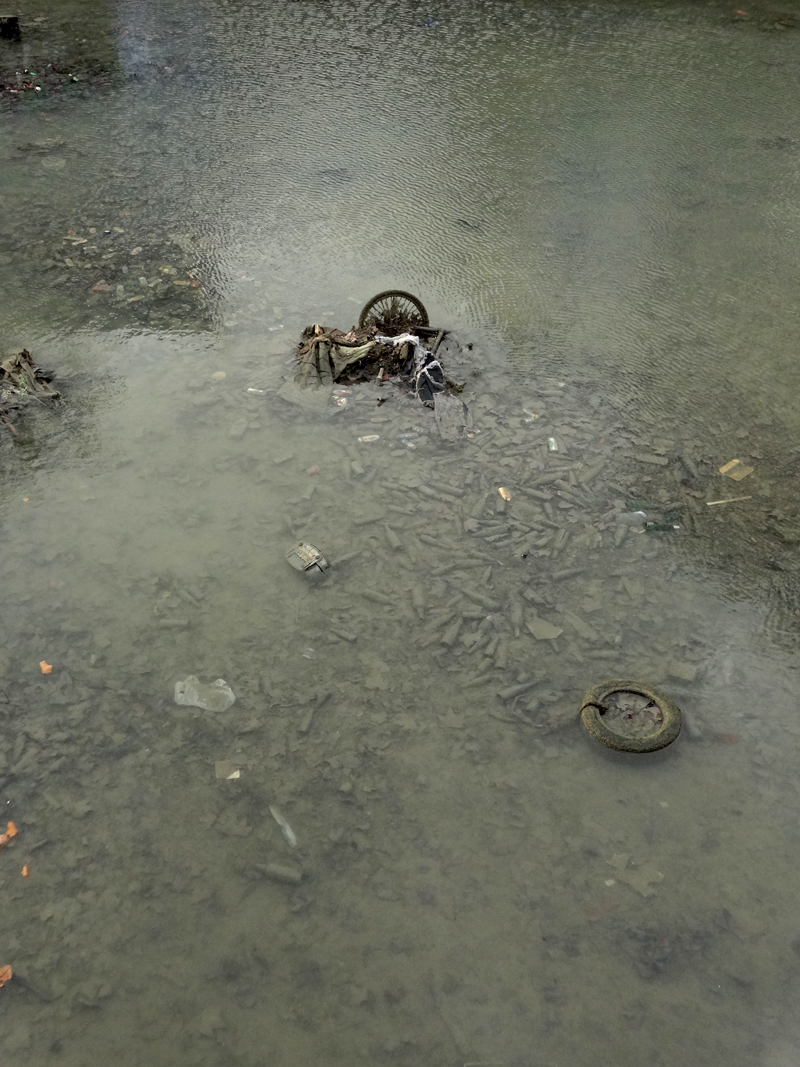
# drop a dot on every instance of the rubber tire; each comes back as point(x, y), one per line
point(594, 723)
point(367, 308)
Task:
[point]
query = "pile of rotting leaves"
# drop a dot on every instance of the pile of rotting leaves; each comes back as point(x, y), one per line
point(21, 381)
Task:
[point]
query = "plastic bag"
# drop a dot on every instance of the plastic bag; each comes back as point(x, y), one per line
point(216, 696)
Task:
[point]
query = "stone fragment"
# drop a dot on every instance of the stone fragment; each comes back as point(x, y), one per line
point(543, 630)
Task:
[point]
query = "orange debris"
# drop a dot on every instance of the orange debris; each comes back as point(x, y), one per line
point(5, 974)
point(45, 667)
point(11, 831)
point(25, 871)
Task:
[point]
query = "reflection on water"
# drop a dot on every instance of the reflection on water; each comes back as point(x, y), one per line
point(601, 206)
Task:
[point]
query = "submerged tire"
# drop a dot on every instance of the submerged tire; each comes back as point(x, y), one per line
point(593, 706)
point(393, 309)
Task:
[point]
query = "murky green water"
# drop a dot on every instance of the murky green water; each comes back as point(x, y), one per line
point(600, 202)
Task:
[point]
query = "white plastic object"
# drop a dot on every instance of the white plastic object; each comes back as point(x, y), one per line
point(216, 696)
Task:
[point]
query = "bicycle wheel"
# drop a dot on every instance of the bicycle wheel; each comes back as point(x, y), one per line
point(393, 311)
point(622, 728)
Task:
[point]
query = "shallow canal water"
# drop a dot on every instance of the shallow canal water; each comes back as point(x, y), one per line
point(599, 201)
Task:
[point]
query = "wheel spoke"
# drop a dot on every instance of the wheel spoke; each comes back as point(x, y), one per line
point(394, 310)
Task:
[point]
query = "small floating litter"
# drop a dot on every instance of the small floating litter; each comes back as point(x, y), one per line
point(308, 559)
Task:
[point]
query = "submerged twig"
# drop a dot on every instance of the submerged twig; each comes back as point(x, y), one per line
point(728, 500)
point(10, 425)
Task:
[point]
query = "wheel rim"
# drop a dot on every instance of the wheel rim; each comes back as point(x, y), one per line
point(395, 311)
point(603, 729)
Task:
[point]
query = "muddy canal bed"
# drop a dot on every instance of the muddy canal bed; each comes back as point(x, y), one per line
point(399, 845)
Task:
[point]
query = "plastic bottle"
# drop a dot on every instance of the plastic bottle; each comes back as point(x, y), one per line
point(632, 518)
